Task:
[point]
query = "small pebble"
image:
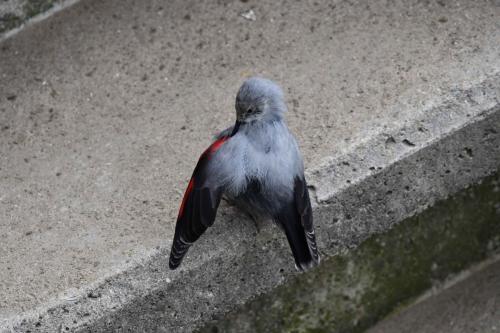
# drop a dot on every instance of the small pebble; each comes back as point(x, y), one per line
point(249, 15)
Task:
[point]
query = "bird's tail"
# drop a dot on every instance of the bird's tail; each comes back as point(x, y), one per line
point(178, 251)
point(302, 242)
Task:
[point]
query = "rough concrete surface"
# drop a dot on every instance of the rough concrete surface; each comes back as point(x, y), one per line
point(105, 107)
point(472, 305)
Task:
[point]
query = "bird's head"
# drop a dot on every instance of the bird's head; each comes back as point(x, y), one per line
point(259, 99)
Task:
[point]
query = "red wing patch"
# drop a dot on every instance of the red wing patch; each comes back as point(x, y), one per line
point(210, 150)
point(216, 145)
point(186, 195)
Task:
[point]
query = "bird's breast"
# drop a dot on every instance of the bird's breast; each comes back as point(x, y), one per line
point(268, 155)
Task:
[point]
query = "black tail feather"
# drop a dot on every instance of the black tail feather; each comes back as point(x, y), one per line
point(302, 243)
point(297, 221)
point(300, 249)
point(179, 250)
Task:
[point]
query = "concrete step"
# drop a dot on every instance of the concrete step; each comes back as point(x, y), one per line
point(472, 304)
point(106, 106)
point(353, 290)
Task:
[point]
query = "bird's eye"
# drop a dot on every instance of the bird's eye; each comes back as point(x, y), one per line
point(249, 110)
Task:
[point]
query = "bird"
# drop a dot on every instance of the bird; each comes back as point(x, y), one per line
point(255, 164)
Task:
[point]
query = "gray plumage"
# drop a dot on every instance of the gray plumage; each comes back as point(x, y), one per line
point(257, 165)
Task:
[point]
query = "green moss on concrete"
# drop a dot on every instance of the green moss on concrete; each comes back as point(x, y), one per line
point(350, 292)
point(30, 8)
point(9, 21)
point(35, 7)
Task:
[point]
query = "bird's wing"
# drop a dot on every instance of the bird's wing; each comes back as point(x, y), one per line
point(297, 221)
point(198, 207)
point(225, 133)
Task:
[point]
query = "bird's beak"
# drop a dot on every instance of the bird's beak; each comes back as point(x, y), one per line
point(236, 127)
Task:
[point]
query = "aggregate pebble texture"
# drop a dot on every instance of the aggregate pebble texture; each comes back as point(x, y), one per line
point(106, 106)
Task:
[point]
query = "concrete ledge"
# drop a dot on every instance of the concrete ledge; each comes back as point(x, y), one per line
point(416, 165)
point(395, 106)
point(350, 292)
